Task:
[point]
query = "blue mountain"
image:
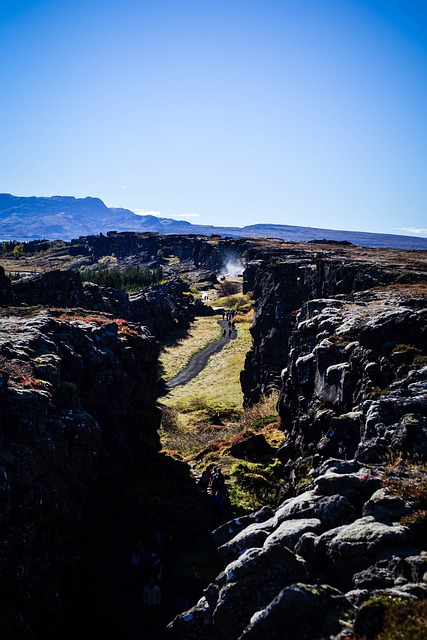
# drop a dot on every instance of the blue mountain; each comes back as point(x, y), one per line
point(66, 217)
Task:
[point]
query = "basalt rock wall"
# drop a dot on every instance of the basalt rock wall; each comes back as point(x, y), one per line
point(344, 343)
point(281, 286)
point(355, 379)
point(78, 432)
point(78, 424)
point(199, 252)
point(148, 246)
point(159, 308)
point(339, 340)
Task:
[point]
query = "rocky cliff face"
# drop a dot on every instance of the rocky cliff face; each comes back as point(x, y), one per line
point(78, 438)
point(145, 247)
point(159, 308)
point(324, 564)
point(282, 283)
point(78, 421)
point(356, 371)
point(213, 254)
point(344, 340)
point(338, 338)
point(341, 334)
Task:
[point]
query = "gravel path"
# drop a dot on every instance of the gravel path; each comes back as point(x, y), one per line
point(198, 362)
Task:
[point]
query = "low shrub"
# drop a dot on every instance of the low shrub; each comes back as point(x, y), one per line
point(254, 484)
point(414, 491)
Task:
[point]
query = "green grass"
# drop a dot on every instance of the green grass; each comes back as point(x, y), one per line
point(175, 357)
point(203, 418)
point(239, 302)
point(254, 484)
point(216, 390)
point(209, 406)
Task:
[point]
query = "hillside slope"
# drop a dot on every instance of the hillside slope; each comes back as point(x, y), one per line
point(66, 218)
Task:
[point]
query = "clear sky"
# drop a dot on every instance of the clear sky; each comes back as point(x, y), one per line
point(224, 112)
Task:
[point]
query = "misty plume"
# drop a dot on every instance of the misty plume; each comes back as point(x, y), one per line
point(233, 266)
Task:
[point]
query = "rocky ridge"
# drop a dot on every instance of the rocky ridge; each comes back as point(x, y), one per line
point(28, 218)
point(79, 431)
point(352, 373)
point(160, 309)
point(341, 334)
point(78, 408)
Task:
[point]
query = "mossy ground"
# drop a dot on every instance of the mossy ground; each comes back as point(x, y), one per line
point(204, 418)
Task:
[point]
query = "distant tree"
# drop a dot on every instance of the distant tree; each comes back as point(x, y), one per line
point(18, 250)
point(228, 288)
point(130, 279)
point(6, 247)
point(158, 274)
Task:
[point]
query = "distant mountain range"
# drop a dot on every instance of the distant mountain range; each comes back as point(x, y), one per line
point(66, 218)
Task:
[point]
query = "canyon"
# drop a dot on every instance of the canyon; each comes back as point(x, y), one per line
point(339, 332)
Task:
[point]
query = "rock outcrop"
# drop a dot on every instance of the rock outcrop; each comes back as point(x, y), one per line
point(340, 335)
point(78, 422)
point(355, 383)
point(283, 282)
point(345, 344)
point(160, 308)
point(315, 565)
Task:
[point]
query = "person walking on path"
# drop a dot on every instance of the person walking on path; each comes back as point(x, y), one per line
point(141, 565)
point(205, 480)
point(217, 509)
point(217, 482)
point(151, 598)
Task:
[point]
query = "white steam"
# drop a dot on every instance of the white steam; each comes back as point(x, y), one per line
point(233, 266)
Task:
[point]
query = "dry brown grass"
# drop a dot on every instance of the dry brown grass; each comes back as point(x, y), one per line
point(98, 318)
point(82, 315)
point(207, 416)
point(410, 290)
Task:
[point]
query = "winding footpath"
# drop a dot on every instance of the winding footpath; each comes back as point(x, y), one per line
point(199, 360)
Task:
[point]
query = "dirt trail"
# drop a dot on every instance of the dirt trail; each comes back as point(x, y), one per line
point(198, 362)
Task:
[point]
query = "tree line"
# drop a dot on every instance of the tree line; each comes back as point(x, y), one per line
point(130, 278)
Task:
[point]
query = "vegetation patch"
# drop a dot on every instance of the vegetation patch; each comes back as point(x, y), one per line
point(228, 288)
point(130, 279)
point(203, 419)
point(175, 355)
point(413, 490)
point(395, 619)
point(216, 390)
point(403, 619)
point(254, 484)
point(407, 348)
point(239, 302)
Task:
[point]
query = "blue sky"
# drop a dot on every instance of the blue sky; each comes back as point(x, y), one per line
point(224, 112)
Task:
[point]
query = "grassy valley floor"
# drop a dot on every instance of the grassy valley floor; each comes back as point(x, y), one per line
point(205, 417)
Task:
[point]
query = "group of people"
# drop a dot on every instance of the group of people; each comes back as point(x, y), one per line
point(226, 332)
point(146, 562)
point(231, 325)
point(228, 315)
